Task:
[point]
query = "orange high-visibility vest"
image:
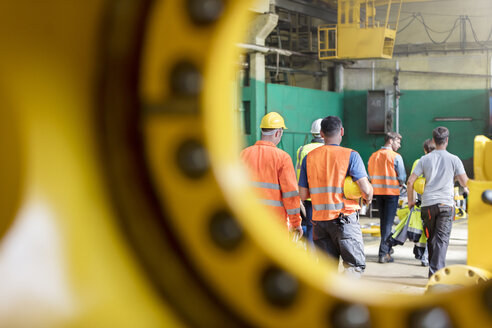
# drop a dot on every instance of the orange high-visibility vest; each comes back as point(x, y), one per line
point(327, 168)
point(275, 179)
point(382, 173)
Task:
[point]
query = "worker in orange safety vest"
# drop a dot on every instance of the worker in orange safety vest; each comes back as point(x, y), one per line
point(387, 173)
point(273, 173)
point(336, 228)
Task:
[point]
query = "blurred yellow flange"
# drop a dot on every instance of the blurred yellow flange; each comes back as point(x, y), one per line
point(236, 275)
point(480, 223)
point(457, 276)
point(105, 259)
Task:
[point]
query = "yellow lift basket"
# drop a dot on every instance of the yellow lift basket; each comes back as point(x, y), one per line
point(356, 38)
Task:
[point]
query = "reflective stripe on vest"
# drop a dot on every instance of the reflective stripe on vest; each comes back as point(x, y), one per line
point(385, 186)
point(320, 190)
point(276, 203)
point(327, 167)
point(290, 194)
point(382, 177)
point(266, 185)
point(328, 207)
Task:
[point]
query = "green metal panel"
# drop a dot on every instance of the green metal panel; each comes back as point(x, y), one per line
point(300, 107)
point(254, 97)
point(418, 109)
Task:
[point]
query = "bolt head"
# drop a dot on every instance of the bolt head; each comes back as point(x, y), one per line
point(279, 287)
point(351, 316)
point(430, 318)
point(204, 12)
point(186, 80)
point(192, 159)
point(225, 231)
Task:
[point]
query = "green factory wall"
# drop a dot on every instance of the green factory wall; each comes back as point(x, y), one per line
point(299, 107)
point(418, 109)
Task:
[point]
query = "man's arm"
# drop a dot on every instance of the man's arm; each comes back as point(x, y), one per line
point(460, 174)
point(463, 180)
point(290, 195)
point(303, 181)
point(367, 190)
point(304, 193)
point(400, 169)
point(410, 182)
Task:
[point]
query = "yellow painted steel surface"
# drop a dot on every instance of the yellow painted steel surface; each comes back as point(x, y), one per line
point(459, 276)
point(480, 223)
point(354, 38)
point(134, 209)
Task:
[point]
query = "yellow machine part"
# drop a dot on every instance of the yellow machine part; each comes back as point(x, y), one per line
point(360, 43)
point(458, 276)
point(482, 159)
point(353, 38)
point(131, 206)
point(479, 223)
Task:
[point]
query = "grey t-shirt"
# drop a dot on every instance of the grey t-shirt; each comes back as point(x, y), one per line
point(439, 169)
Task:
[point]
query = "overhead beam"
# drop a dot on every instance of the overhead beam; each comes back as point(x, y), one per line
point(308, 9)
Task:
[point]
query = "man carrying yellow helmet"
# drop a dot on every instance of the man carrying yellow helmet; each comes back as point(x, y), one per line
point(273, 172)
point(439, 169)
point(336, 227)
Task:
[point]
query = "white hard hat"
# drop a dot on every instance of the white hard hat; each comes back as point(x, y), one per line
point(316, 126)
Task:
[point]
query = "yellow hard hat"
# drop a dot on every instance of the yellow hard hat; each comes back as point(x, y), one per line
point(351, 189)
point(272, 120)
point(419, 185)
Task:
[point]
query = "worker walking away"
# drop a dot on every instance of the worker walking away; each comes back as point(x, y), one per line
point(439, 168)
point(317, 141)
point(336, 228)
point(273, 173)
point(420, 249)
point(387, 173)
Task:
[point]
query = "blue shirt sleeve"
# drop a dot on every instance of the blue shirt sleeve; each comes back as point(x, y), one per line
point(356, 167)
point(303, 181)
point(400, 169)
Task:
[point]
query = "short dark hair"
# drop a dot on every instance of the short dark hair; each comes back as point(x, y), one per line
point(391, 136)
point(428, 145)
point(331, 126)
point(440, 134)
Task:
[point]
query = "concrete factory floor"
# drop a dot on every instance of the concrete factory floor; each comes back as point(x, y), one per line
point(405, 274)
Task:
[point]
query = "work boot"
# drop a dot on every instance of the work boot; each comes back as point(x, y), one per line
point(385, 259)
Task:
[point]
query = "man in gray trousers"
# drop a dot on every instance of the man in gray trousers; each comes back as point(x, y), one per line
point(440, 169)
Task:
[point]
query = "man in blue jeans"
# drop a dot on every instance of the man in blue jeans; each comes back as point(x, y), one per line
point(439, 169)
point(387, 173)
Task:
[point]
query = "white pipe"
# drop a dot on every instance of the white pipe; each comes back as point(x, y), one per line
point(267, 50)
point(490, 73)
point(339, 78)
point(373, 75)
point(397, 102)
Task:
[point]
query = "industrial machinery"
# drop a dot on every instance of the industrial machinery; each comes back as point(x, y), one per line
point(123, 200)
point(359, 34)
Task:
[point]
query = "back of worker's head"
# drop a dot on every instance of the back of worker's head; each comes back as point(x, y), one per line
point(391, 136)
point(331, 126)
point(440, 135)
point(316, 128)
point(429, 146)
point(272, 127)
